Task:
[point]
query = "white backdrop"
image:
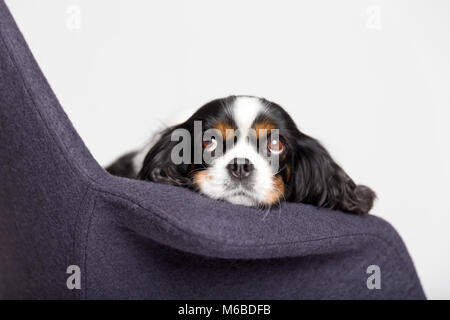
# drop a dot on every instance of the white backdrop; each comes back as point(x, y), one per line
point(370, 79)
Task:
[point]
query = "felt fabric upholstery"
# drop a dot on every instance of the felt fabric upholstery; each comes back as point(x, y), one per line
point(135, 239)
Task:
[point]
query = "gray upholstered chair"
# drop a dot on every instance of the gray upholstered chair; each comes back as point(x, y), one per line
point(134, 239)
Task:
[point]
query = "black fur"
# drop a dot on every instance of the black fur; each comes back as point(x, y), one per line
point(314, 177)
point(158, 167)
point(318, 180)
point(123, 167)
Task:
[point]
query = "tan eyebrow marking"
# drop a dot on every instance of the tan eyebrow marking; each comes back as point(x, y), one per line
point(266, 125)
point(225, 129)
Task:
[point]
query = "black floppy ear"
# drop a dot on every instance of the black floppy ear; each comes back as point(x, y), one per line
point(158, 165)
point(318, 180)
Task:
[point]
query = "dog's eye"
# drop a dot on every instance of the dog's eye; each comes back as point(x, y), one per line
point(210, 145)
point(275, 146)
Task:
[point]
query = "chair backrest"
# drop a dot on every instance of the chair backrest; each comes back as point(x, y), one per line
point(134, 239)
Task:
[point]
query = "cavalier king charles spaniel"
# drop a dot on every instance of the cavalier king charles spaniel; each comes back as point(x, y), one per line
point(248, 151)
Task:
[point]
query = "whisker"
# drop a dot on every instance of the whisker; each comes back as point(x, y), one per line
point(284, 167)
point(267, 213)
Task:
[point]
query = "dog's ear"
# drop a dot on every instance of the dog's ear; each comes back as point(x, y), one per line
point(318, 180)
point(158, 165)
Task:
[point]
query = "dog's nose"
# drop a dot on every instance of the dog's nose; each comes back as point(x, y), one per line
point(240, 168)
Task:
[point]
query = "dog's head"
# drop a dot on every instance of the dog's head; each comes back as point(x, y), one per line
point(248, 151)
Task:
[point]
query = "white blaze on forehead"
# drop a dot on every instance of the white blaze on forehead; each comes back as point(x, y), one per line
point(245, 110)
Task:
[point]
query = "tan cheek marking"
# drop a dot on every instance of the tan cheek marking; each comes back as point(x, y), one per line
point(288, 172)
point(277, 191)
point(200, 177)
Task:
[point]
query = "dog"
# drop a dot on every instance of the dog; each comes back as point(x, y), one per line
point(248, 151)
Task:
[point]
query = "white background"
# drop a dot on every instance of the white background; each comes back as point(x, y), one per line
point(370, 79)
